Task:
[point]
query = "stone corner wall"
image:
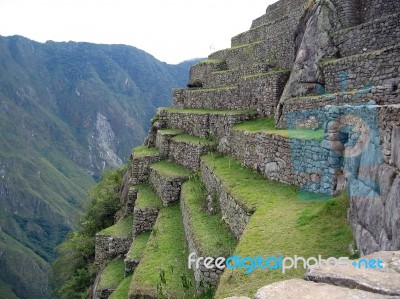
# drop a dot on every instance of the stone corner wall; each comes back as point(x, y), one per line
point(107, 247)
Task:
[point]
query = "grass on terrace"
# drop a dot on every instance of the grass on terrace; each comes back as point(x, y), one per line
point(267, 125)
point(142, 151)
point(209, 111)
point(194, 140)
point(211, 235)
point(146, 197)
point(121, 292)
point(283, 223)
point(170, 131)
point(214, 89)
point(211, 61)
point(171, 170)
point(123, 228)
point(112, 275)
point(138, 246)
point(164, 263)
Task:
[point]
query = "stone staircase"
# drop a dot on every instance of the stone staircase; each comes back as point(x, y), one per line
point(277, 149)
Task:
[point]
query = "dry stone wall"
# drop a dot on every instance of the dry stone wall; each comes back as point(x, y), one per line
point(204, 277)
point(141, 168)
point(144, 219)
point(108, 247)
point(236, 215)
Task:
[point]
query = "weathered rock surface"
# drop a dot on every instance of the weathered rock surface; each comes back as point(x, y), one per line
point(384, 281)
point(297, 288)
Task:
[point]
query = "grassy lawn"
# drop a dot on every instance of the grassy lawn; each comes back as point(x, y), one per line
point(209, 111)
point(121, 292)
point(170, 170)
point(138, 246)
point(122, 228)
point(283, 223)
point(163, 267)
point(147, 197)
point(194, 140)
point(267, 125)
point(112, 275)
point(143, 151)
point(211, 235)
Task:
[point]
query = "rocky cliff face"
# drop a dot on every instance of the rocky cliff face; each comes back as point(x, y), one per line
point(306, 103)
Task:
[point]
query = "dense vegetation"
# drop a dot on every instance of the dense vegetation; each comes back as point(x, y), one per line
point(74, 270)
point(67, 112)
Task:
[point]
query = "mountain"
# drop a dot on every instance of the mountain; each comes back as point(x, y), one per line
point(67, 112)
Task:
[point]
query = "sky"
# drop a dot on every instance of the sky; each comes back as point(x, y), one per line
point(170, 30)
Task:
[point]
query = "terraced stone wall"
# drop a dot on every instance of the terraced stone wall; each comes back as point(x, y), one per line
point(140, 168)
point(144, 219)
point(236, 215)
point(108, 247)
point(304, 163)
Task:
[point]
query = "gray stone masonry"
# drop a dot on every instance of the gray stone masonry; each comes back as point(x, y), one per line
point(188, 154)
point(236, 215)
point(385, 32)
point(304, 163)
point(203, 124)
point(162, 142)
point(204, 277)
point(280, 9)
point(108, 247)
point(167, 188)
point(259, 92)
point(232, 77)
point(199, 70)
point(144, 219)
point(140, 168)
point(379, 69)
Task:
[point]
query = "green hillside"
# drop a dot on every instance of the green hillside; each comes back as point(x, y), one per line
point(67, 112)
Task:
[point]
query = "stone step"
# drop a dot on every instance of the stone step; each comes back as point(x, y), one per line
point(165, 255)
point(259, 92)
point(109, 279)
point(378, 273)
point(205, 234)
point(146, 209)
point(114, 240)
point(280, 53)
point(231, 77)
point(167, 178)
point(135, 253)
point(186, 150)
point(163, 138)
point(141, 159)
point(296, 157)
point(292, 9)
point(374, 35)
point(378, 69)
point(200, 69)
point(215, 98)
point(203, 123)
point(297, 288)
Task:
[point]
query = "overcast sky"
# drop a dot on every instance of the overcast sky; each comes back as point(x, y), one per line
point(171, 30)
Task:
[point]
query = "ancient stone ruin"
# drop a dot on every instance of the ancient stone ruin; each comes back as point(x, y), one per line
point(309, 98)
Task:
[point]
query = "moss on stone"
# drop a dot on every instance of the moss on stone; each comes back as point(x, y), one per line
point(267, 125)
point(164, 263)
point(170, 170)
point(211, 61)
point(146, 197)
point(211, 235)
point(121, 292)
point(209, 111)
point(170, 131)
point(138, 246)
point(123, 229)
point(112, 275)
point(286, 221)
point(143, 151)
point(194, 140)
